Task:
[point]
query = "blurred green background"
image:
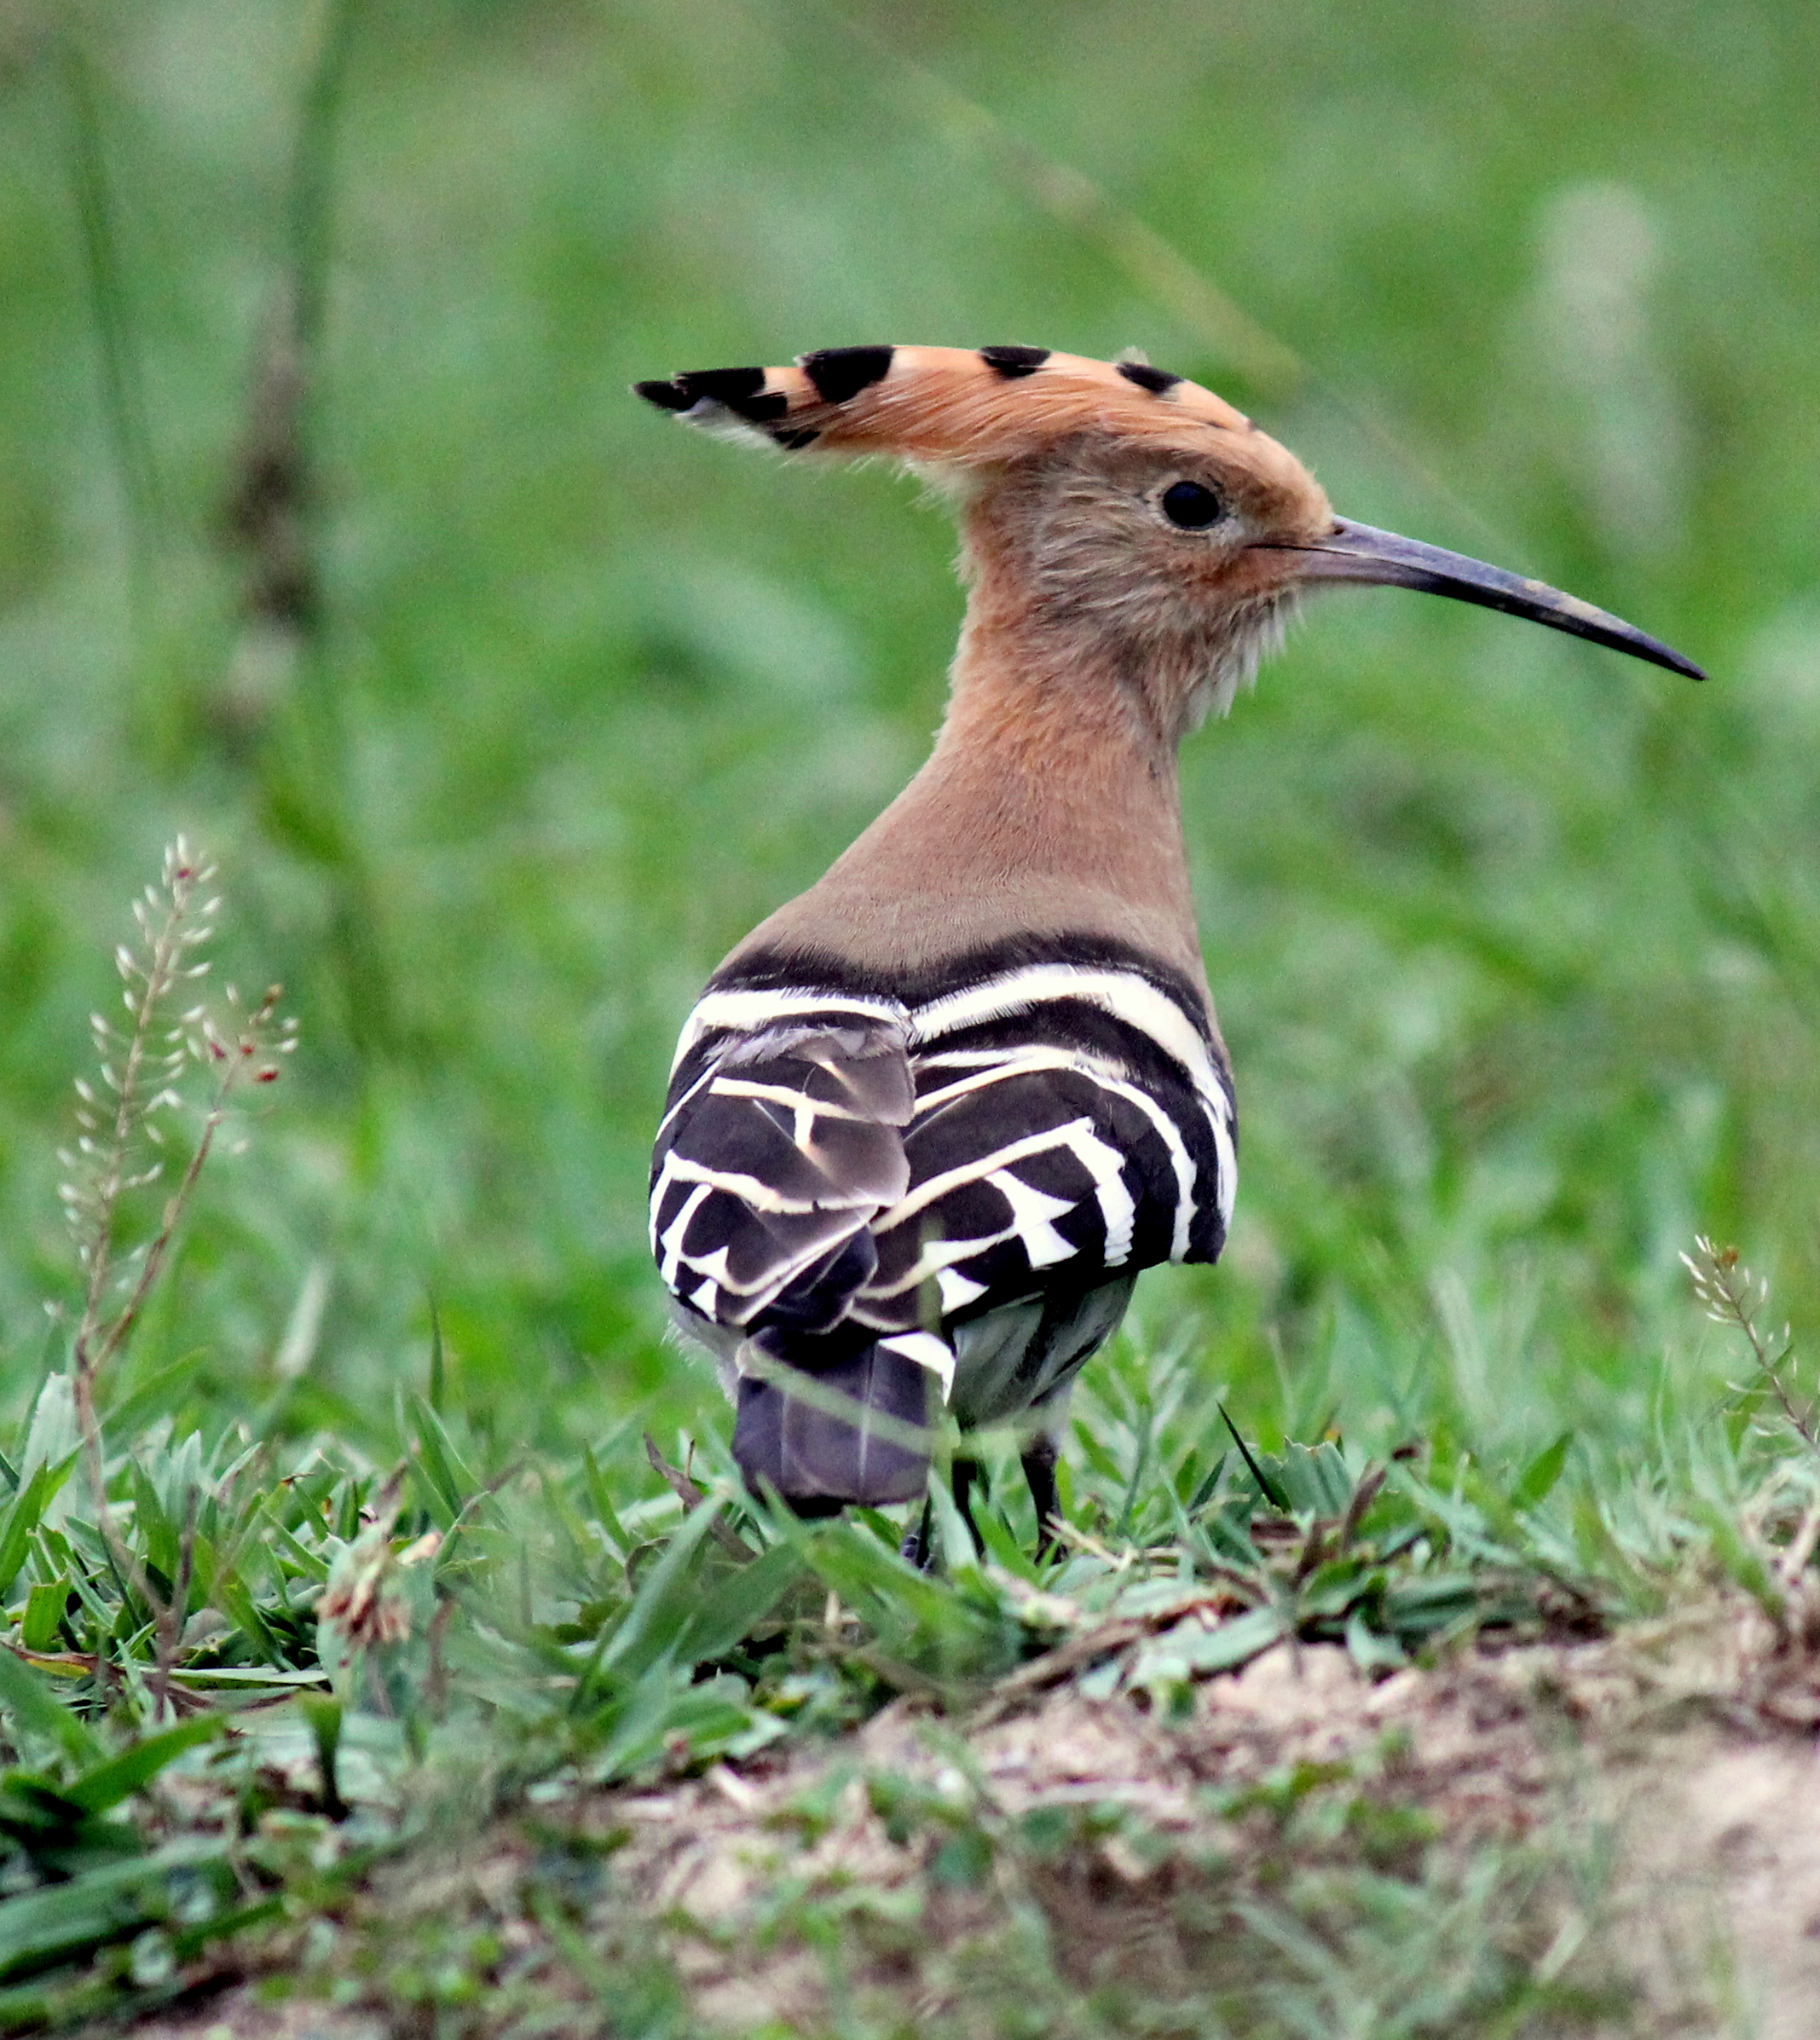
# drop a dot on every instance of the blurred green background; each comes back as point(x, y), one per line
point(1516, 944)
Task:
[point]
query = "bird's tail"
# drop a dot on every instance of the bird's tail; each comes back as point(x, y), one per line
point(858, 1430)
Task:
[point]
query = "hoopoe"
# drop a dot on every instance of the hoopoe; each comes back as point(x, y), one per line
point(929, 1121)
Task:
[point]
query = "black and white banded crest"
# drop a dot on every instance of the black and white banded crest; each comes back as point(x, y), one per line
point(963, 1182)
point(942, 406)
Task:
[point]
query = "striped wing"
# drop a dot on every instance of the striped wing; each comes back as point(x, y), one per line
point(897, 1170)
point(882, 1195)
point(781, 1143)
point(1027, 1165)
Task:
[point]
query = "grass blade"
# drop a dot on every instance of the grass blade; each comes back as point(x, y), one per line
point(121, 1777)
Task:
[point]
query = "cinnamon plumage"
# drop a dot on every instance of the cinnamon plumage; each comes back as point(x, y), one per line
point(930, 1121)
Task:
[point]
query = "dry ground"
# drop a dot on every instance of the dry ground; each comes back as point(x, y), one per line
point(1683, 1757)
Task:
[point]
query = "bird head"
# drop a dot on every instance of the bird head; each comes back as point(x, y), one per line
point(1122, 514)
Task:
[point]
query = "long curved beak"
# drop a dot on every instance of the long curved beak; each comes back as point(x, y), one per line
point(1358, 553)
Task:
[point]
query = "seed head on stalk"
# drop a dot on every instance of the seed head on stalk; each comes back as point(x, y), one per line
point(167, 1056)
point(1731, 1295)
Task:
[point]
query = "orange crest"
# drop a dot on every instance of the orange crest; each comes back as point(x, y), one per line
point(958, 406)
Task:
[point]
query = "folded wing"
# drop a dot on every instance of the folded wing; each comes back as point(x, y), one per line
point(780, 1145)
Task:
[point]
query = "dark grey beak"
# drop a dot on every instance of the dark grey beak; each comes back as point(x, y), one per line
point(1381, 559)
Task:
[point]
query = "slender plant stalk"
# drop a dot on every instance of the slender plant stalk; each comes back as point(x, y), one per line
point(1732, 1296)
point(313, 169)
point(142, 1070)
point(122, 385)
point(274, 509)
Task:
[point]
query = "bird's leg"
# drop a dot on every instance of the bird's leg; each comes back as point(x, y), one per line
point(919, 1544)
point(1038, 1460)
point(965, 1473)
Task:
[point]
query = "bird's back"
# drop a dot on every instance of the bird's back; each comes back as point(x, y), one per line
point(930, 1185)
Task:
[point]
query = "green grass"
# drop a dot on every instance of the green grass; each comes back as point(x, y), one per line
point(269, 1708)
point(1517, 946)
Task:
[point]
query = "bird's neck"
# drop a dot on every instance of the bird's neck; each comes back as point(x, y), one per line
point(1050, 807)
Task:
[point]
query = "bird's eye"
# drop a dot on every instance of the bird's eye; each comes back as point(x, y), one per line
point(1190, 505)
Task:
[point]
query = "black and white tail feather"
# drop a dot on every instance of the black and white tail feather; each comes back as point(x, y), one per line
point(868, 1204)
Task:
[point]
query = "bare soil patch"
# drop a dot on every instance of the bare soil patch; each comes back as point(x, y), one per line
point(1657, 1793)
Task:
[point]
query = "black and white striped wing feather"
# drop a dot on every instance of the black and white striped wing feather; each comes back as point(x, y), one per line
point(1027, 1167)
point(832, 1164)
point(783, 1142)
